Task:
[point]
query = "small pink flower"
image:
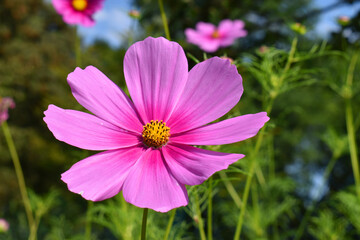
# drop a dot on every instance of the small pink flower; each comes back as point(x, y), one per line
point(344, 21)
point(134, 14)
point(148, 140)
point(4, 225)
point(5, 104)
point(210, 38)
point(78, 11)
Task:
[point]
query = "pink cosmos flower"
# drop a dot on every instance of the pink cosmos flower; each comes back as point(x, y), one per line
point(4, 225)
point(78, 11)
point(5, 104)
point(148, 140)
point(210, 38)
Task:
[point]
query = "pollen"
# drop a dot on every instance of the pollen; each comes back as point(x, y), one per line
point(155, 134)
point(215, 34)
point(79, 5)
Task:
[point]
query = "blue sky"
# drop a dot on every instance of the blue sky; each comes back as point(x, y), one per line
point(328, 21)
point(113, 20)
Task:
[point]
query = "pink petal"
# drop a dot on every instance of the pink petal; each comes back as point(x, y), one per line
point(155, 71)
point(101, 96)
point(213, 88)
point(193, 36)
point(205, 42)
point(228, 26)
point(149, 184)
point(86, 131)
point(61, 6)
point(224, 132)
point(102, 175)
point(192, 166)
point(230, 31)
point(205, 28)
point(74, 17)
point(210, 45)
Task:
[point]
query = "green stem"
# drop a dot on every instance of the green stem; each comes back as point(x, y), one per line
point(170, 223)
point(198, 214)
point(88, 221)
point(143, 226)
point(352, 145)
point(251, 173)
point(350, 123)
point(230, 188)
point(20, 176)
point(164, 20)
point(209, 213)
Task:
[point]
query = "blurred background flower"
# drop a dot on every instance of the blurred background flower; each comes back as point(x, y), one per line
point(5, 104)
point(210, 38)
point(4, 225)
point(78, 11)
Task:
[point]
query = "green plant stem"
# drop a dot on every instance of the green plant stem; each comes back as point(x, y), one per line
point(200, 220)
point(88, 221)
point(352, 145)
point(164, 20)
point(230, 188)
point(170, 223)
point(350, 123)
point(310, 209)
point(209, 212)
point(251, 173)
point(20, 177)
point(143, 226)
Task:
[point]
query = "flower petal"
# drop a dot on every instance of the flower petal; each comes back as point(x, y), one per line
point(205, 28)
point(73, 17)
point(98, 94)
point(149, 184)
point(192, 166)
point(231, 30)
point(86, 131)
point(227, 26)
point(224, 132)
point(213, 88)
point(155, 71)
point(102, 175)
point(205, 42)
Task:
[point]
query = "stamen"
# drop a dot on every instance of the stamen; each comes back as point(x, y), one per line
point(155, 134)
point(215, 34)
point(79, 5)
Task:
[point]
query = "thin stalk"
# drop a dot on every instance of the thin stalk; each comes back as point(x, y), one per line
point(164, 20)
point(251, 173)
point(230, 188)
point(200, 220)
point(352, 145)
point(88, 221)
point(19, 175)
point(170, 223)
point(289, 61)
point(143, 226)
point(209, 212)
point(350, 124)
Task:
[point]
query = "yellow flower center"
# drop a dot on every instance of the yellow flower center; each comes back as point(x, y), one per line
point(215, 34)
point(156, 134)
point(79, 5)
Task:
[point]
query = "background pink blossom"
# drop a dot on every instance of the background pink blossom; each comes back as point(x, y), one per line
point(210, 38)
point(73, 16)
